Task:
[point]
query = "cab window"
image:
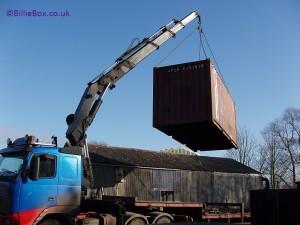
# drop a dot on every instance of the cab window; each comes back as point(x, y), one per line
point(47, 166)
point(42, 166)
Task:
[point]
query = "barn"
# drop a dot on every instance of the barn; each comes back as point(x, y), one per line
point(160, 176)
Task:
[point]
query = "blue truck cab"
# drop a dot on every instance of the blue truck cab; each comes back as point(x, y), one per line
point(38, 181)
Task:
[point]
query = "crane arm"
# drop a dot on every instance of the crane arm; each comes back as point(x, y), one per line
point(91, 100)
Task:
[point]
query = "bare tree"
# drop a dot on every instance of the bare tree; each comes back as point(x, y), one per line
point(278, 156)
point(260, 159)
point(271, 157)
point(287, 130)
point(247, 145)
point(292, 118)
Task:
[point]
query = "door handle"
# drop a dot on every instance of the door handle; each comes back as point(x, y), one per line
point(51, 199)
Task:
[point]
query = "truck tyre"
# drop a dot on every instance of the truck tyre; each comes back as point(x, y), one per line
point(160, 217)
point(50, 222)
point(163, 219)
point(137, 221)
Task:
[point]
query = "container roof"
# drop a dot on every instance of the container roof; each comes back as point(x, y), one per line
point(117, 156)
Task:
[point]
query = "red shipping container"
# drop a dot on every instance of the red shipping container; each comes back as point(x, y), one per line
point(192, 104)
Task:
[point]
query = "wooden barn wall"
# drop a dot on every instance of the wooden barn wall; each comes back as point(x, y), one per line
point(188, 186)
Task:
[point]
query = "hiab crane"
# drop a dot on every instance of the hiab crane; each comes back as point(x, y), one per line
point(92, 98)
point(42, 184)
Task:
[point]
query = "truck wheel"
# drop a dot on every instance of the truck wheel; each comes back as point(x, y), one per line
point(50, 222)
point(163, 219)
point(137, 221)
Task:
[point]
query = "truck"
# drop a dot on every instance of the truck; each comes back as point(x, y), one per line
point(43, 184)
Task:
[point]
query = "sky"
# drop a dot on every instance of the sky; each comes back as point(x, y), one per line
point(46, 62)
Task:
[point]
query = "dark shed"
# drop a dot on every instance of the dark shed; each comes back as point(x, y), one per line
point(153, 176)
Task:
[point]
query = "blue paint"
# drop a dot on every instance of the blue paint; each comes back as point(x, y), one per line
point(20, 193)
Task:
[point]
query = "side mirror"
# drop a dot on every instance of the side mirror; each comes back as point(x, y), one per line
point(34, 168)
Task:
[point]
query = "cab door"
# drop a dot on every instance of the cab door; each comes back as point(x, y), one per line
point(69, 181)
point(39, 189)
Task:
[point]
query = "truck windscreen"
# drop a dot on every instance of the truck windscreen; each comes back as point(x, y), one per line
point(10, 165)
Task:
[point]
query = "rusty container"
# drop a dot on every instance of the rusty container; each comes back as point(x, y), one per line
point(192, 104)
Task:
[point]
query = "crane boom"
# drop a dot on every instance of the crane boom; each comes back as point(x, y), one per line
point(91, 100)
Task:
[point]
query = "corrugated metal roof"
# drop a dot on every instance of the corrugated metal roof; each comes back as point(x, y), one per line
point(143, 158)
